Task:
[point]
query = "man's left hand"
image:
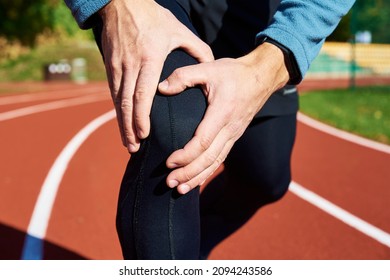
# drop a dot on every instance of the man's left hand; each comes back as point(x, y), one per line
point(236, 89)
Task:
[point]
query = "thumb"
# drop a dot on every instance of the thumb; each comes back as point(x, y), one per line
point(182, 78)
point(165, 88)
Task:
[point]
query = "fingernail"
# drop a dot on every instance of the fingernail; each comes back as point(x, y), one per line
point(172, 165)
point(163, 85)
point(184, 189)
point(132, 148)
point(173, 183)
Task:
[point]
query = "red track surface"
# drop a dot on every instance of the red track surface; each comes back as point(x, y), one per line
point(82, 221)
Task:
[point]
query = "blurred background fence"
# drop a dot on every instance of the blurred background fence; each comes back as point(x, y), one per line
point(338, 59)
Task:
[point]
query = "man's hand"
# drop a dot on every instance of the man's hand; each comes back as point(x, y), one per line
point(236, 89)
point(137, 36)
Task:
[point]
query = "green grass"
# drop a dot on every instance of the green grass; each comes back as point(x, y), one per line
point(29, 66)
point(364, 111)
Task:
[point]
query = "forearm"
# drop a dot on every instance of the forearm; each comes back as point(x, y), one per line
point(84, 10)
point(302, 26)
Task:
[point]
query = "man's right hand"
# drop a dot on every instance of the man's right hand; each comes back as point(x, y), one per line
point(137, 37)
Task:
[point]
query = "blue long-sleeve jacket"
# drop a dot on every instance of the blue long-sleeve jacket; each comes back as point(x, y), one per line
point(300, 25)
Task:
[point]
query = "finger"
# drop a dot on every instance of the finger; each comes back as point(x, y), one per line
point(194, 46)
point(214, 155)
point(197, 181)
point(183, 77)
point(144, 93)
point(126, 108)
point(185, 187)
point(211, 125)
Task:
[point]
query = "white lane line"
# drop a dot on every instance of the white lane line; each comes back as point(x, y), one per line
point(343, 134)
point(341, 214)
point(43, 207)
point(51, 106)
point(54, 94)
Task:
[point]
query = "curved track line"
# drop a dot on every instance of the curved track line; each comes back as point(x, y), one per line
point(343, 134)
point(50, 106)
point(53, 94)
point(33, 244)
point(339, 213)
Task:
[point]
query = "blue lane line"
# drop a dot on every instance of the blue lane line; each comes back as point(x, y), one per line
point(32, 248)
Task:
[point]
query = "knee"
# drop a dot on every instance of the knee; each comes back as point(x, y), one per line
point(174, 119)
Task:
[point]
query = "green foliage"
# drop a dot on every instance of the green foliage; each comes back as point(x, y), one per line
point(371, 15)
point(374, 15)
point(25, 20)
point(64, 20)
point(37, 32)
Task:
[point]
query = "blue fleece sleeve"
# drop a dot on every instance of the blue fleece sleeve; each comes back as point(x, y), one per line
point(302, 26)
point(83, 10)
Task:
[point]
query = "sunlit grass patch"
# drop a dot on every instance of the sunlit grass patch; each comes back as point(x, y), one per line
point(364, 111)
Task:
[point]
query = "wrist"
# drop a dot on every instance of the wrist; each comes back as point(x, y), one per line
point(289, 60)
point(269, 66)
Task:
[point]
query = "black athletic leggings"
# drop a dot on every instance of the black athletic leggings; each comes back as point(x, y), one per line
point(154, 221)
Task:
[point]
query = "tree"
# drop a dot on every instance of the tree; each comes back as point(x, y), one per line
point(370, 15)
point(343, 30)
point(374, 16)
point(24, 20)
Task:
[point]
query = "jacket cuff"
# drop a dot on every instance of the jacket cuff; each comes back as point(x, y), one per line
point(85, 13)
point(289, 41)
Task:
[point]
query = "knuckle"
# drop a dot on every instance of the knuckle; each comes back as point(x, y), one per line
point(204, 142)
point(219, 161)
point(126, 104)
point(126, 65)
point(141, 95)
point(211, 158)
point(149, 59)
point(178, 74)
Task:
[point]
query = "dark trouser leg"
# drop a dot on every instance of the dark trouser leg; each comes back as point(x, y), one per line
point(257, 172)
point(153, 221)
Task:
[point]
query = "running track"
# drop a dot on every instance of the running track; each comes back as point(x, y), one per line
point(341, 212)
